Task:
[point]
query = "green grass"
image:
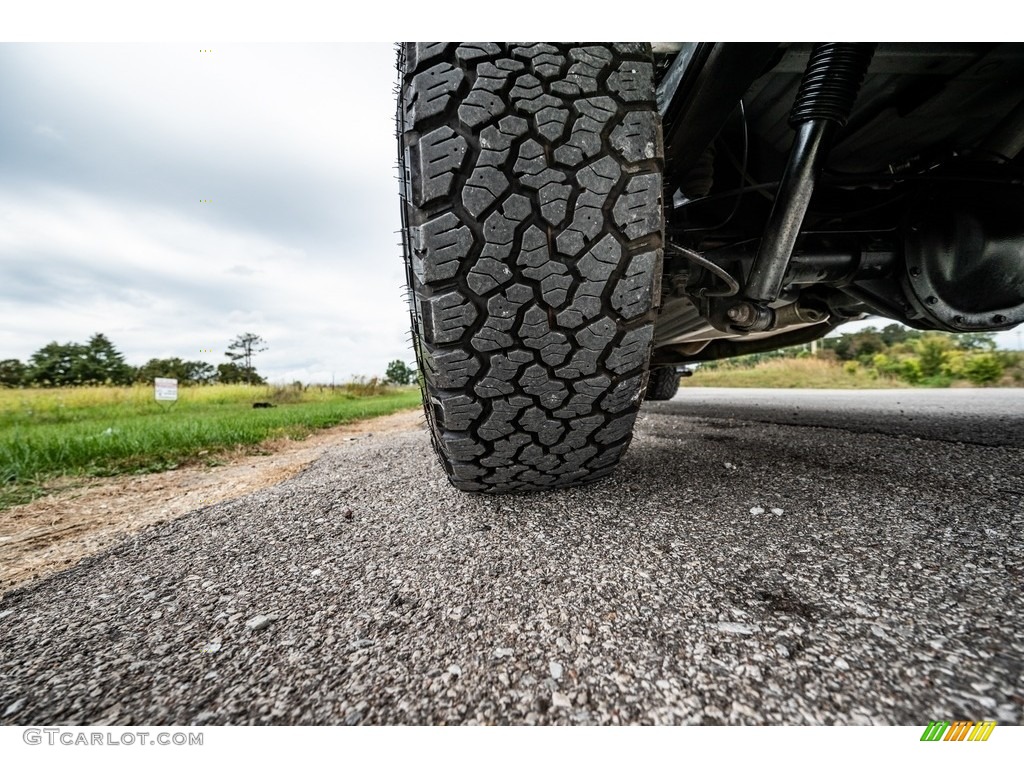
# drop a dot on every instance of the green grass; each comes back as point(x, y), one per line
point(99, 431)
point(791, 373)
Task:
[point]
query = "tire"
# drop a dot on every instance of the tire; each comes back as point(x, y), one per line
point(532, 233)
point(662, 384)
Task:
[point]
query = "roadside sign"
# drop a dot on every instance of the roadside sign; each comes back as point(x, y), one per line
point(166, 389)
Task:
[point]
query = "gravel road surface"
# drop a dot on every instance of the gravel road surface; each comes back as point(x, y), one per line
point(760, 557)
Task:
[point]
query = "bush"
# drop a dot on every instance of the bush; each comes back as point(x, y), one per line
point(983, 368)
point(932, 349)
point(910, 370)
point(851, 366)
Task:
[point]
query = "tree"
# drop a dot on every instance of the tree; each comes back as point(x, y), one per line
point(12, 373)
point(95, 362)
point(861, 345)
point(399, 373)
point(199, 372)
point(244, 347)
point(175, 368)
point(100, 363)
point(894, 333)
point(232, 373)
point(53, 365)
point(980, 342)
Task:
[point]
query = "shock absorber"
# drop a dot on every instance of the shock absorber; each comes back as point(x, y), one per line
point(823, 104)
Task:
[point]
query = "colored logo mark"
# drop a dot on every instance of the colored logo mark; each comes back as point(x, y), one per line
point(206, 350)
point(206, 201)
point(959, 730)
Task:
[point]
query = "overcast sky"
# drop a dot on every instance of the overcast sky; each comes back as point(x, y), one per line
point(106, 152)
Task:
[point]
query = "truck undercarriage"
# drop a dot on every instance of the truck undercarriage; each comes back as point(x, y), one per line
point(807, 185)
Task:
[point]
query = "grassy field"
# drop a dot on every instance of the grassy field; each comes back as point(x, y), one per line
point(97, 431)
point(791, 373)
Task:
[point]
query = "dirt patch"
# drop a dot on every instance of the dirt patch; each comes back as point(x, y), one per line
point(55, 532)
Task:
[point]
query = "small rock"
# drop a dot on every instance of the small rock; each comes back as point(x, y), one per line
point(455, 669)
point(258, 622)
point(776, 511)
point(501, 653)
point(841, 663)
point(555, 669)
point(560, 700)
point(5, 614)
point(757, 510)
point(14, 708)
point(981, 687)
point(149, 596)
point(212, 647)
point(782, 650)
point(729, 465)
point(358, 645)
point(735, 628)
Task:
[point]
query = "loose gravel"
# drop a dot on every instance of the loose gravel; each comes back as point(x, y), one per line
point(881, 582)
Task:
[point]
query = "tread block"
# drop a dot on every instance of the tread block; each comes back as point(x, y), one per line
point(432, 91)
point(536, 382)
point(467, 53)
point(625, 394)
point(633, 81)
point(452, 369)
point(441, 153)
point(631, 353)
point(533, 251)
point(551, 122)
point(501, 371)
point(456, 412)
point(447, 317)
point(600, 176)
point(462, 448)
point(601, 260)
point(417, 54)
point(488, 274)
point(636, 137)
point(548, 431)
point(483, 188)
point(440, 245)
point(500, 422)
point(554, 202)
point(633, 294)
point(537, 103)
point(637, 211)
point(584, 142)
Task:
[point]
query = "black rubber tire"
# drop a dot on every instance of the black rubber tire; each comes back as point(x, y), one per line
point(532, 232)
point(662, 384)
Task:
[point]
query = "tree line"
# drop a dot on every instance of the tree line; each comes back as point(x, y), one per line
point(98, 361)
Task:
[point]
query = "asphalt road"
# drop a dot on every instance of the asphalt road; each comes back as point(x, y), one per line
point(760, 557)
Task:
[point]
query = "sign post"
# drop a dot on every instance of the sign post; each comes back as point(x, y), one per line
point(166, 389)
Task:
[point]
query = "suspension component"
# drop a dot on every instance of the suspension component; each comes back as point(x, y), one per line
point(827, 93)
